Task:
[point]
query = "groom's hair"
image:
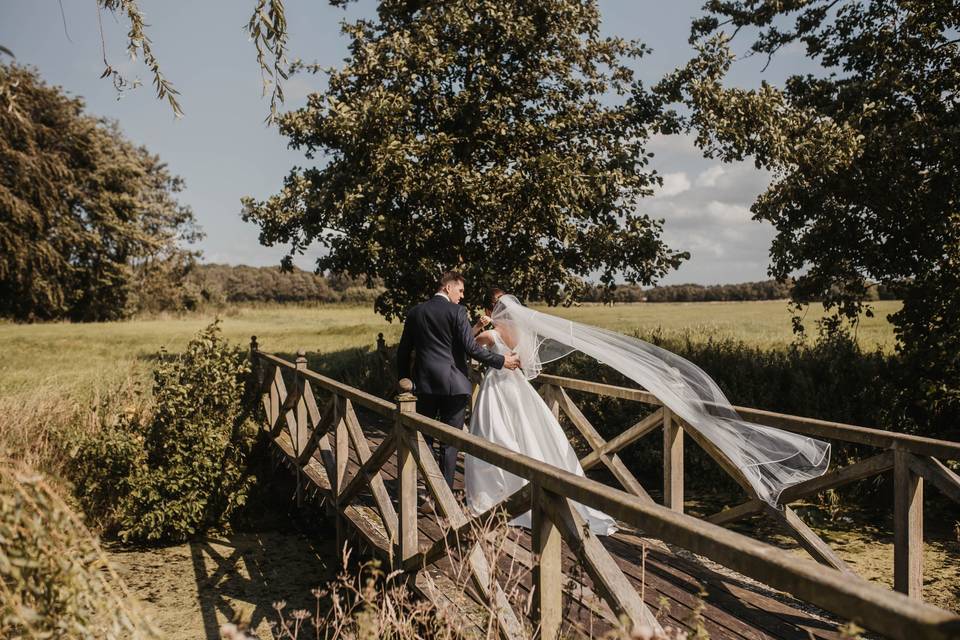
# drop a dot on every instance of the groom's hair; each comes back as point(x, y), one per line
point(448, 277)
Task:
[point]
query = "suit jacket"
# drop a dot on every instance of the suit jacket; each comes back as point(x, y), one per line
point(440, 334)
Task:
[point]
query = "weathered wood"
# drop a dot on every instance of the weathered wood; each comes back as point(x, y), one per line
point(596, 441)
point(268, 397)
point(547, 393)
point(547, 571)
point(830, 480)
point(599, 388)
point(321, 425)
point(719, 457)
point(377, 459)
point(457, 536)
point(672, 462)
point(937, 474)
point(853, 599)
point(624, 439)
point(868, 605)
point(302, 436)
point(278, 394)
point(361, 398)
point(342, 443)
point(377, 488)
point(481, 576)
point(608, 580)
point(852, 433)
point(907, 527)
point(942, 449)
point(408, 542)
point(810, 541)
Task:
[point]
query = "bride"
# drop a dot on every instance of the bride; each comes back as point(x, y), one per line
point(509, 412)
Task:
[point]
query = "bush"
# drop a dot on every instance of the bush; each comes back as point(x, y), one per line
point(55, 582)
point(182, 469)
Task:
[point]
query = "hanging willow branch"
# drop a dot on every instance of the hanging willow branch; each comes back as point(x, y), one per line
point(267, 28)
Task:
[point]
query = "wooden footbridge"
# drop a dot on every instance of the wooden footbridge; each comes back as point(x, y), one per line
point(367, 457)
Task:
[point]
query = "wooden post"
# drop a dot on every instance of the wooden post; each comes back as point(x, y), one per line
point(408, 543)
point(547, 570)
point(301, 417)
point(907, 527)
point(672, 462)
point(255, 362)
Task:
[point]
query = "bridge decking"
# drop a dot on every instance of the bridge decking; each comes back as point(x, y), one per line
point(731, 608)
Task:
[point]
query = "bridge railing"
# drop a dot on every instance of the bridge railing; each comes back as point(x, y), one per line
point(302, 424)
point(913, 460)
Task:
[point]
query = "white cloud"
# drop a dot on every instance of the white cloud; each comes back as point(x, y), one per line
point(673, 184)
point(728, 213)
point(709, 177)
point(705, 206)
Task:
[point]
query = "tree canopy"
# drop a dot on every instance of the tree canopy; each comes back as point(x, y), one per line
point(502, 138)
point(90, 228)
point(864, 156)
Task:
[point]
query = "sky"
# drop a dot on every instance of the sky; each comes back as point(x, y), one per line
point(224, 150)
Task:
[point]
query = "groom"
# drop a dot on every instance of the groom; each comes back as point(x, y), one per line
point(440, 335)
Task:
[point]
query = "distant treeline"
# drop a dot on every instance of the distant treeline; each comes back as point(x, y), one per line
point(217, 284)
point(764, 290)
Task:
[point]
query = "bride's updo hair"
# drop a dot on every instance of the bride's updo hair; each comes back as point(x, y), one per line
point(492, 296)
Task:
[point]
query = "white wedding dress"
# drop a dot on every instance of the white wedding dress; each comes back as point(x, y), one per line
point(510, 413)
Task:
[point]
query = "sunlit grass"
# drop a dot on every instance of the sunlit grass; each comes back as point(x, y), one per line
point(80, 357)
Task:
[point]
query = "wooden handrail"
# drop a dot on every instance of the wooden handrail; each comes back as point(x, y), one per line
point(943, 449)
point(872, 606)
point(868, 605)
point(362, 398)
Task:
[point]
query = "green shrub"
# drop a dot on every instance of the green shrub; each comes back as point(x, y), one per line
point(55, 582)
point(183, 469)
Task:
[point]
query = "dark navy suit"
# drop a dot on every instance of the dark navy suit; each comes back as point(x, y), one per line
point(439, 334)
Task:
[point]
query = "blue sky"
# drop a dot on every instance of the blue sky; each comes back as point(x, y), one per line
point(224, 151)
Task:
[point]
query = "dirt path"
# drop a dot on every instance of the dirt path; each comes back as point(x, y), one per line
point(190, 590)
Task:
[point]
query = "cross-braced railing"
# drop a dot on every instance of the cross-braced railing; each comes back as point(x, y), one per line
point(312, 419)
point(913, 459)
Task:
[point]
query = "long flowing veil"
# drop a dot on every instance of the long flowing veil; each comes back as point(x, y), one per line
point(770, 459)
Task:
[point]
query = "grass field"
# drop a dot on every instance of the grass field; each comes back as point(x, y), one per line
point(81, 357)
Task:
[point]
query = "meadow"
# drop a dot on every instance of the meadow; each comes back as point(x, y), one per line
point(59, 379)
point(78, 358)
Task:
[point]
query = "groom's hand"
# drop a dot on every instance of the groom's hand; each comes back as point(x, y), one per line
point(511, 361)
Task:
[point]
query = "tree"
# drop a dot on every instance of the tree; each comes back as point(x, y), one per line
point(864, 156)
point(89, 224)
point(502, 138)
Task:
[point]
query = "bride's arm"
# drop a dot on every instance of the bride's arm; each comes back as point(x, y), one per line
point(485, 338)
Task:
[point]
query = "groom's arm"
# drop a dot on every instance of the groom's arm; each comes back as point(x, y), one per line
point(404, 350)
point(475, 351)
